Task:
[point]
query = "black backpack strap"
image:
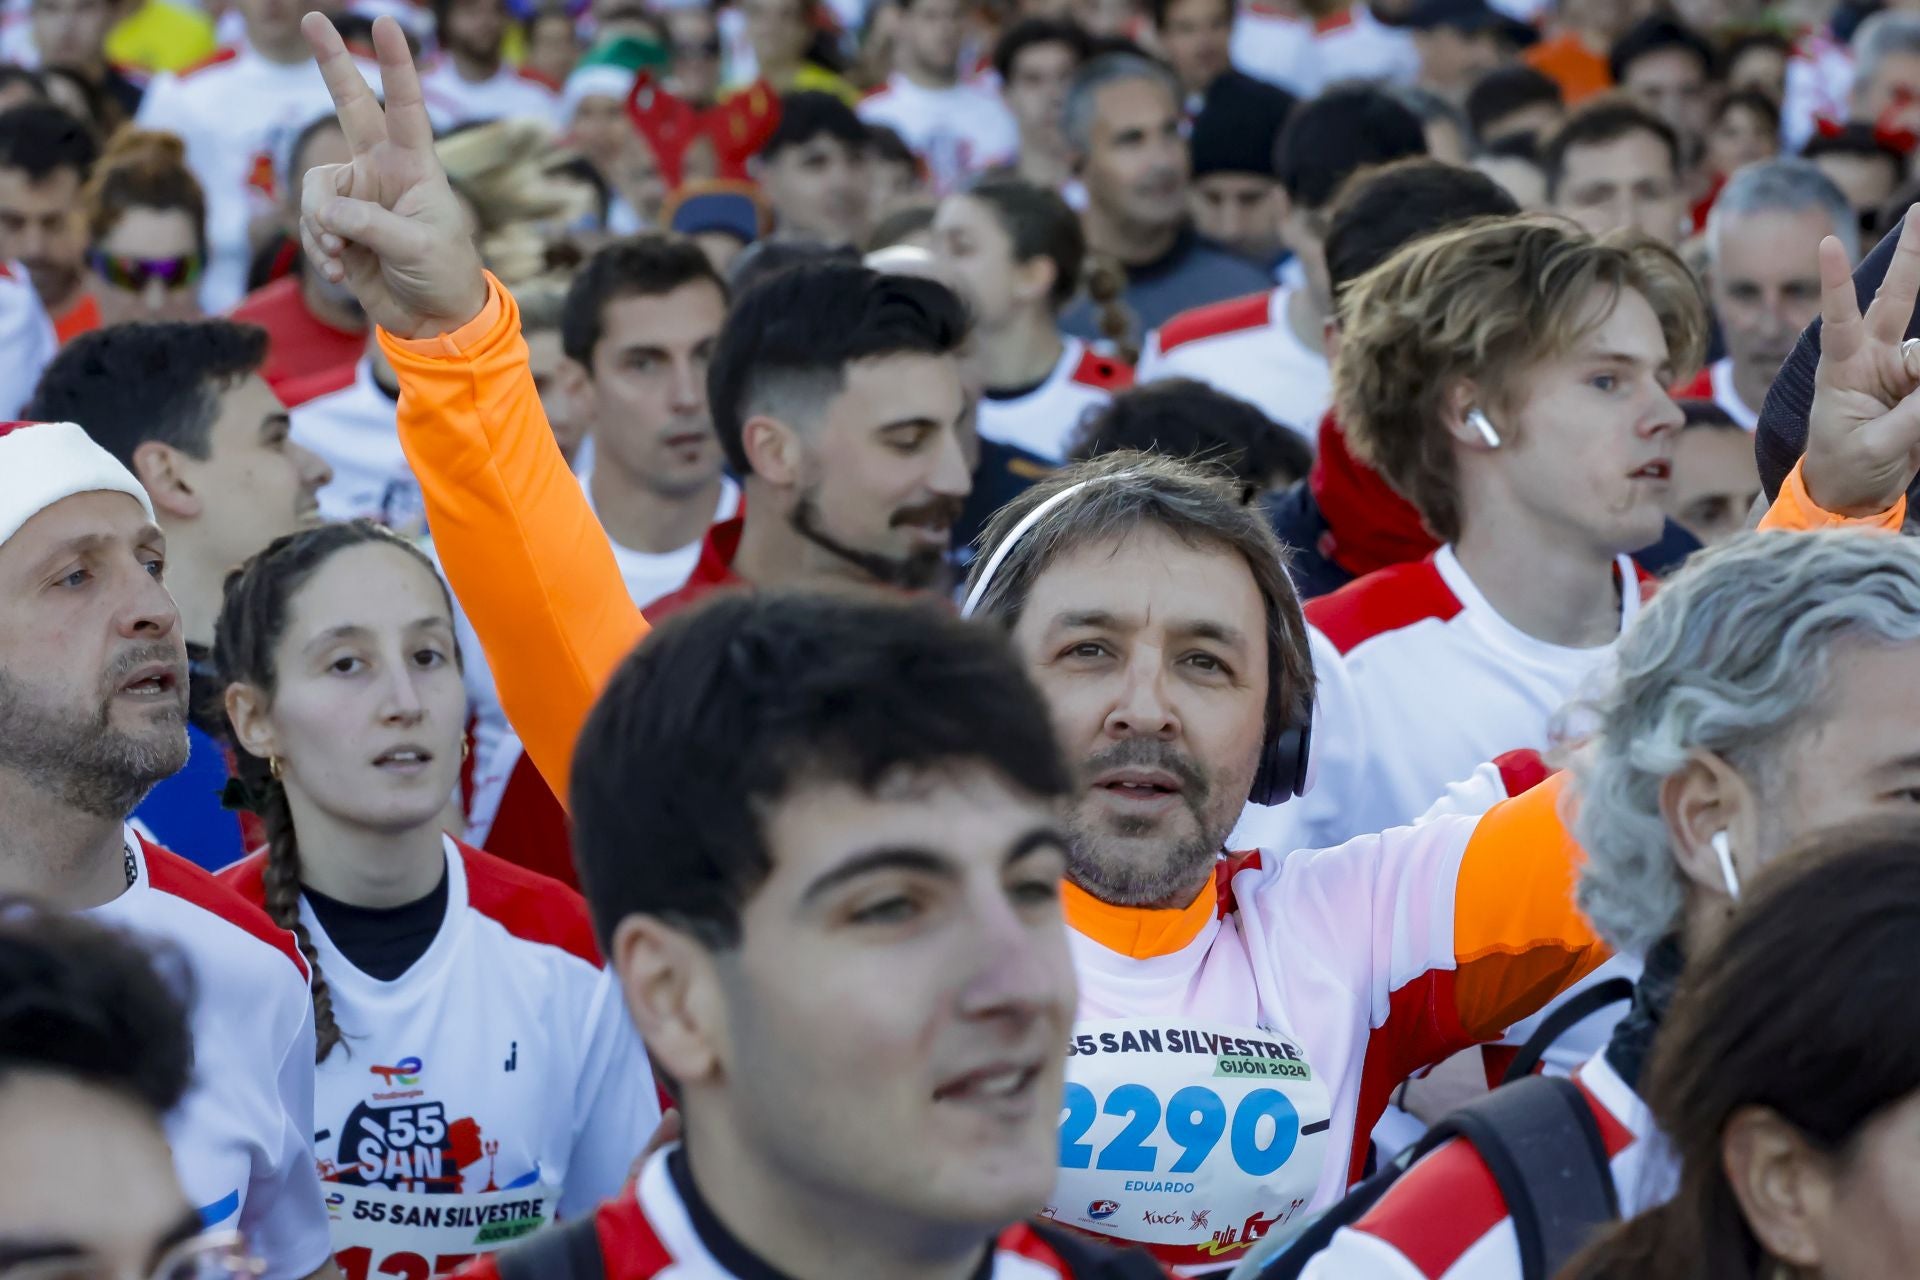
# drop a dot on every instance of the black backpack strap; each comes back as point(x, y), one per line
point(1564, 1019)
point(566, 1251)
point(1542, 1144)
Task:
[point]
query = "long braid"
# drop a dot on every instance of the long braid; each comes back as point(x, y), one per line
point(252, 618)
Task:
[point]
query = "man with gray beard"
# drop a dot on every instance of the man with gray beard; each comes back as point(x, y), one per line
point(93, 713)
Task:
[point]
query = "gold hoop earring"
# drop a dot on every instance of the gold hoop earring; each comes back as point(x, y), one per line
point(274, 767)
point(466, 749)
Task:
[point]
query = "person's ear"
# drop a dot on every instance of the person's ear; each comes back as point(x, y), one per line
point(1785, 1187)
point(252, 726)
point(1698, 801)
point(1330, 335)
point(1033, 279)
point(773, 450)
point(672, 989)
point(161, 470)
point(1461, 399)
point(576, 386)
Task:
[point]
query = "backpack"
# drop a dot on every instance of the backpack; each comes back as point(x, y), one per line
point(1538, 1138)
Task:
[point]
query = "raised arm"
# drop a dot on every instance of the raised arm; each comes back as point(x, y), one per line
point(519, 543)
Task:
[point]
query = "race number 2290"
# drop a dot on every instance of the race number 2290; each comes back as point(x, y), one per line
point(1262, 1130)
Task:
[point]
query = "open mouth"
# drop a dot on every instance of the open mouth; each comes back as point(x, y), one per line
point(1660, 469)
point(990, 1085)
point(152, 682)
point(404, 759)
point(1138, 784)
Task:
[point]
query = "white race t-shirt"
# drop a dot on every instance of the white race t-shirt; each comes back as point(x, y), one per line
point(960, 131)
point(652, 574)
point(356, 430)
point(1246, 348)
point(26, 335)
point(238, 114)
point(493, 1085)
point(1043, 421)
point(507, 94)
point(240, 1136)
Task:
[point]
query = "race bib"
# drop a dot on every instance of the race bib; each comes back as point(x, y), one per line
point(415, 1236)
point(1193, 1139)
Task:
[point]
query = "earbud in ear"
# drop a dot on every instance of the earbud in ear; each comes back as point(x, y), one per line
point(1479, 422)
point(1723, 850)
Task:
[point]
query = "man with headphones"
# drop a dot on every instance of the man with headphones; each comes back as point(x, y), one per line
point(1243, 1019)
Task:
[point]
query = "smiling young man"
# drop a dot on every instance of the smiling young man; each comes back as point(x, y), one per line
point(1152, 606)
point(93, 710)
point(183, 407)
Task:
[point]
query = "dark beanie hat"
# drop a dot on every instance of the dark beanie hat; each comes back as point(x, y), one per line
point(1782, 435)
point(1238, 125)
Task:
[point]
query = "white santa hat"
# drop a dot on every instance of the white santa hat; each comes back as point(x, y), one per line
point(43, 462)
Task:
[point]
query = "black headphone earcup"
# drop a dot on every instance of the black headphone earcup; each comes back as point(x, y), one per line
point(1282, 774)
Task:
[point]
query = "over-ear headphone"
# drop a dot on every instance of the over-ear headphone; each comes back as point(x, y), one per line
point(1282, 773)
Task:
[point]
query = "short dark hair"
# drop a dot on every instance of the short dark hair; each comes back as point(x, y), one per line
point(1754, 100)
point(1705, 413)
point(1655, 35)
point(728, 708)
point(1157, 11)
point(1041, 225)
point(88, 1003)
point(1732, 49)
point(1028, 32)
point(764, 259)
point(1381, 210)
point(648, 265)
point(41, 139)
point(1854, 140)
point(1597, 122)
point(1513, 146)
point(887, 146)
point(12, 73)
point(1344, 130)
point(1182, 418)
point(159, 380)
point(1504, 90)
point(788, 341)
point(807, 115)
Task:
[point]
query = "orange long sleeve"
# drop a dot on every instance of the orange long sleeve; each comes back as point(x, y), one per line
point(519, 542)
point(1796, 510)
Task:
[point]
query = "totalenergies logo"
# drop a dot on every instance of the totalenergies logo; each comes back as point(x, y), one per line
point(406, 1072)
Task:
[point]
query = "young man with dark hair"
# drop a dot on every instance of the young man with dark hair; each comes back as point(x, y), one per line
point(93, 694)
point(1615, 166)
point(1036, 59)
point(957, 127)
point(72, 36)
point(95, 1051)
point(1124, 122)
point(1236, 200)
point(1154, 610)
point(1867, 168)
point(471, 79)
point(1715, 479)
point(814, 171)
point(1270, 348)
point(316, 332)
point(1509, 100)
point(183, 407)
point(1180, 418)
point(1459, 41)
point(1196, 38)
point(1670, 69)
point(45, 157)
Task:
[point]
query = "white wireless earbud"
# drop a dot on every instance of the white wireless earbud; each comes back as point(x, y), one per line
point(1479, 422)
point(1723, 850)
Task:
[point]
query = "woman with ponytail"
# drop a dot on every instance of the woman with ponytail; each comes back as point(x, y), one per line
point(1787, 1079)
point(474, 1059)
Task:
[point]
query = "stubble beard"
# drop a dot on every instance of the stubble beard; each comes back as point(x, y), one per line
point(81, 759)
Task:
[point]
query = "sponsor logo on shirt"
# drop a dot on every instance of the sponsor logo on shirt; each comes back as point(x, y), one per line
point(1101, 1210)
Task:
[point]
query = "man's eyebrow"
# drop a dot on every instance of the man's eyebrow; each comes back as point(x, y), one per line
point(885, 858)
point(1075, 619)
point(14, 1251)
point(1207, 629)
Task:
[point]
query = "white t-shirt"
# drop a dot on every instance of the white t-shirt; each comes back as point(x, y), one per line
point(1727, 396)
point(26, 335)
point(507, 94)
point(240, 1136)
point(493, 1085)
point(959, 131)
point(652, 574)
point(1246, 348)
point(1419, 679)
point(1305, 57)
point(238, 114)
point(1043, 421)
point(356, 430)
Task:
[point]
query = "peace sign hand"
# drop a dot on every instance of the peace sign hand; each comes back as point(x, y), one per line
point(1863, 430)
point(386, 224)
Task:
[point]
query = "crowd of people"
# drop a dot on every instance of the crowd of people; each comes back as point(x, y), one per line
point(959, 641)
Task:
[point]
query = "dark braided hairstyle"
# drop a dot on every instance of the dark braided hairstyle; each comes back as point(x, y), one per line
point(253, 617)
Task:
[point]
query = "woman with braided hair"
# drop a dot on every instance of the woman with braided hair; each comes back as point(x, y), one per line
point(477, 1075)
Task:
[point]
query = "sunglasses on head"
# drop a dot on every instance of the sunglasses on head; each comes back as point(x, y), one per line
point(133, 274)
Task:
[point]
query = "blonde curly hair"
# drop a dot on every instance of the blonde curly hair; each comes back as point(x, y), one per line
point(1486, 300)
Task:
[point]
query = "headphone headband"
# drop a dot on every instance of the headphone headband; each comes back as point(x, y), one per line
point(1019, 531)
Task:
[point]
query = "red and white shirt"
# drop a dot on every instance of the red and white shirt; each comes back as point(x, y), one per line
point(1246, 348)
point(240, 1136)
point(1715, 383)
point(238, 114)
point(959, 131)
point(495, 1084)
point(507, 94)
point(1305, 57)
point(26, 335)
point(1445, 1219)
point(1043, 420)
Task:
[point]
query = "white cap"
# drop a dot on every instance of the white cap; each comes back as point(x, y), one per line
point(43, 462)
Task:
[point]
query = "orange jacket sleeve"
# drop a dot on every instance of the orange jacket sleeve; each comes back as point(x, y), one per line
point(519, 543)
point(1796, 510)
